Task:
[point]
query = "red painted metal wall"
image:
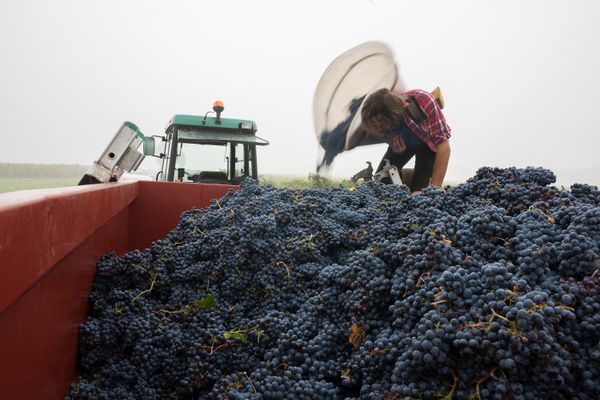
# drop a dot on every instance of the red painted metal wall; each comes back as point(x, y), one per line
point(50, 242)
point(158, 206)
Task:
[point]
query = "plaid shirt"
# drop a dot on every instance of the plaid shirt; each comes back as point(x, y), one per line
point(434, 129)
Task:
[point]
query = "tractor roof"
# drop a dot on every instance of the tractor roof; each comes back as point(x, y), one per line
point(210, 130)
point(213, 124)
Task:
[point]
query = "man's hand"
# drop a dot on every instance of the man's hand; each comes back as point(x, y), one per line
point(397, 144)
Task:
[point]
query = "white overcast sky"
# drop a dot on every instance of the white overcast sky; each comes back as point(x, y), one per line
point(521, 78)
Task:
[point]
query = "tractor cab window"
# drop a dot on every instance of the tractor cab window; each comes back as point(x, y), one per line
point(202, 162)
point(238, 153)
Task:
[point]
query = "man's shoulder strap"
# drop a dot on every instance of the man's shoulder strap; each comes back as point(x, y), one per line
point(414, 110)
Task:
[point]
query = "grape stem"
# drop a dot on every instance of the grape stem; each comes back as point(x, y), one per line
point(154, 275)
point(249, 381)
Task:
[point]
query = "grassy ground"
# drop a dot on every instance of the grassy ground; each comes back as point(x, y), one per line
point(15, 177)
point(312, 181)
point(22, 183)
point(13, 184)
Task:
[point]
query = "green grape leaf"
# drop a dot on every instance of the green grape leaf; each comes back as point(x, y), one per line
point(235, 334)
point(207, 302)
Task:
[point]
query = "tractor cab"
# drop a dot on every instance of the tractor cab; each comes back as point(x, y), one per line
point(206, 149)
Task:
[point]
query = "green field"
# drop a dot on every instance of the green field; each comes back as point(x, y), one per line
point(311, 181)
point(13, 184)
point(39, 176)
point(15, 176)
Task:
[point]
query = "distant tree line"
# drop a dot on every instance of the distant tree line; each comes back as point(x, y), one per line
point(16, 170)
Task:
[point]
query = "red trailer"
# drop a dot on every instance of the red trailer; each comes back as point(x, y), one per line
point(50, 243)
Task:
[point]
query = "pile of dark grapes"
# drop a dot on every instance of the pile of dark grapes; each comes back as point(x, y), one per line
point(485, 290)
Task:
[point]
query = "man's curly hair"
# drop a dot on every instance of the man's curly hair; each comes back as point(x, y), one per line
point(385, 104)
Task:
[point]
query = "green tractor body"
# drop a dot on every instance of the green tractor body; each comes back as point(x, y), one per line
point(206, 149)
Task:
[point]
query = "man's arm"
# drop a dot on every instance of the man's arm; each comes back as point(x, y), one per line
point(440, 164)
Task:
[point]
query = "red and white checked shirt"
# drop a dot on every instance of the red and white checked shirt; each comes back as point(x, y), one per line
point(434, 129)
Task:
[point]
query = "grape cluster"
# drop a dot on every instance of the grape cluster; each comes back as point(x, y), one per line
point(486, 290)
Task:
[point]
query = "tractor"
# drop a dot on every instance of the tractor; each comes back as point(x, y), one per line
point(194, 149)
